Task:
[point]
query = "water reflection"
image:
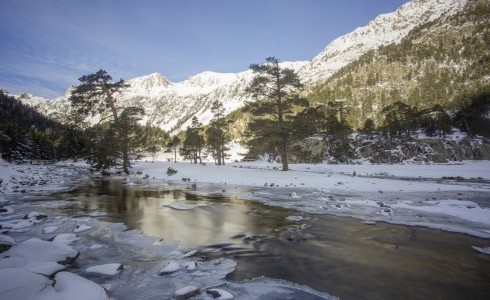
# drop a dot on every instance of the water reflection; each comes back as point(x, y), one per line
point(340, 256)
point(211, 220)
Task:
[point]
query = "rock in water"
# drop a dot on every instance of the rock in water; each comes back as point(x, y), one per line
point(6, 242)
point(220, 294)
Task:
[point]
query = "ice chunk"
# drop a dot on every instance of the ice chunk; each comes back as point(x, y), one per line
point(50, 229)
point(294, 218)
point(95, 246)
point(191, 266)
point(189, 254)
point(65, 238)
point(170, 267)
point(107, 269)
point(180, 206)
point(81, 228)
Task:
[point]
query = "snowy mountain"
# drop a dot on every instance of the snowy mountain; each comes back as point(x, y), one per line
point(171, 105)
point(383, 30)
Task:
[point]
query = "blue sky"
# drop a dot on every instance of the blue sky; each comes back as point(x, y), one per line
point(46, 45)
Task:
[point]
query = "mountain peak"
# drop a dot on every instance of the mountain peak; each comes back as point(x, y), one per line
point(149, 81)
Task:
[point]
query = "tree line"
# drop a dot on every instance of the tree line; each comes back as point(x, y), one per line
point(280, 118)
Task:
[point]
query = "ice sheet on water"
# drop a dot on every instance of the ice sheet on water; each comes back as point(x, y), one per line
point(272, 289)
point(483, 250)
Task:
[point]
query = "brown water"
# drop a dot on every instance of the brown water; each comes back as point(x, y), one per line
point(340, 256)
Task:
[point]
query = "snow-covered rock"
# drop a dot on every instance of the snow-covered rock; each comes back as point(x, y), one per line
point(36, 250)
point(220, 294)
point(19, 284)
point(70, 286)
point(6, 240)
point(186, 292)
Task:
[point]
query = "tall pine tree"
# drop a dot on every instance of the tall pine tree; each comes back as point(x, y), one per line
point(276, 91)
point(216, 133)
point(95, 95)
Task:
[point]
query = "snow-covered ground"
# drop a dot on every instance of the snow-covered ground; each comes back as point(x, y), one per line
point(130, 265)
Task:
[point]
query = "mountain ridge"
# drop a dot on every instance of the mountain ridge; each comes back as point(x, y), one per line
point(171, 106)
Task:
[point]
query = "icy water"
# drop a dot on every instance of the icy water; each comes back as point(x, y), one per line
point(340, 256)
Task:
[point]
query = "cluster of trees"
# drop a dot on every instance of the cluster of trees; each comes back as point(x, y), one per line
point(211, 140)
point(27, 134)
point(118, 137)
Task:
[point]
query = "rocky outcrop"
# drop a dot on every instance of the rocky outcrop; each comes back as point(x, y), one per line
point(384, 150)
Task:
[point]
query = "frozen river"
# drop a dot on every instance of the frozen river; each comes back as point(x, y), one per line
point(337, 255)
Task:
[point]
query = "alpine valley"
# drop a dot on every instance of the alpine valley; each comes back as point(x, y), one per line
point(427, 52)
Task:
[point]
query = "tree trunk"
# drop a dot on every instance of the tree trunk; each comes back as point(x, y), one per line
point(218, 154)
point(125, 153)
point(284, 138)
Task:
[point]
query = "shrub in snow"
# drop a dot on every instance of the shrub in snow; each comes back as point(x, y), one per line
point(171, 171)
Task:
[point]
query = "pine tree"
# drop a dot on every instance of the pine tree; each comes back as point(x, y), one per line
point(95, 95)
point(174, 145)
point(193, 142)
point(216, 133)
point(276, 90)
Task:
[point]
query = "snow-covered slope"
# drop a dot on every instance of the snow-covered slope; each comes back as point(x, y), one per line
point(383, 30)
point(172, 105)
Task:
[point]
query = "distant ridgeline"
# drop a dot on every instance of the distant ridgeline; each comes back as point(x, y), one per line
point(444, 62)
